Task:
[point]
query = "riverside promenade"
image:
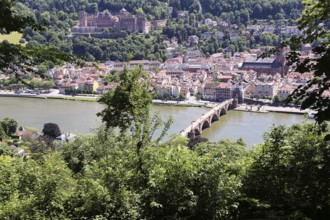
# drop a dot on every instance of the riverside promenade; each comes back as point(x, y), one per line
point(266, 108)
point(55, 94)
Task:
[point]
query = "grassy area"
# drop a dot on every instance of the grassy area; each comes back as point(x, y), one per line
point(12, 38)
point(73, 98)
point(179, 104)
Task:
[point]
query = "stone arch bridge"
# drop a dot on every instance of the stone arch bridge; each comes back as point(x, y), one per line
point(204, 121)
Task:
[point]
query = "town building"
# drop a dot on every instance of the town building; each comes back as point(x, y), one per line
point(265, 89)
point(285, 91)
point(145, 64)
point(269, 65)
point(223, 92)
point(209, 92)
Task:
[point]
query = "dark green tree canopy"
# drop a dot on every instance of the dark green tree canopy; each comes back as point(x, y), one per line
point(9, 125)
point(289, 174)
point(17, 59)
point(10, 21)
point(128, 105)
point(51, 130)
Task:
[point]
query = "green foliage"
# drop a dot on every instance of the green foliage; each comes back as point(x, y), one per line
point(19, 60)
point(35, 189)
point(199, 96)
point(138, 47)
point(6, 150)
point(200, 184)
point(85, 150)
point(127, 105)
point(107, 164)
point(51, 130)
point(63, 15)
point(14, 38)
point(289, 174)
point(176, 182)
point(9, 126)
point(238, 11)
point(2, 133)
point(11, 21)
point(73, 91)
point(103, 176)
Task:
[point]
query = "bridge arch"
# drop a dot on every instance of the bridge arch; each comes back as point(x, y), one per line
point(206, 124)
point(214, 117)
point(223, 111)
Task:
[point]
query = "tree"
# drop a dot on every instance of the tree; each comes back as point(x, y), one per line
point(202, 183)
point(178, 183)
point(35, 189)
point(277, 99)
point(9, 126)
point(128, 106)
point(2, 133)
point(20, 60)
point(289, 175)
point(199, 96)
point(9, 21)
point(313, 25)
point(51, 130)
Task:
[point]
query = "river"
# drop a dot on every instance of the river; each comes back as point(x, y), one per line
point(80, 117)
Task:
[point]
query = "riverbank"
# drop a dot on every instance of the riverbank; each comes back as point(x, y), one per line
point(187, 103)
point(46, 96)
point(75, 98)
point(266, 109)
point(191, 102)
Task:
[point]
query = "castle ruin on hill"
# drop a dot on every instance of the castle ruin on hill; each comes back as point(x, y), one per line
point(96, 23)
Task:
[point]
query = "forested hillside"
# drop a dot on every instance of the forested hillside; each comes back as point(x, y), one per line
point(62, 16)
point(255, 9)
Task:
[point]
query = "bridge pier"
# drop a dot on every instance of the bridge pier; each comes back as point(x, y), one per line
point(234, 104)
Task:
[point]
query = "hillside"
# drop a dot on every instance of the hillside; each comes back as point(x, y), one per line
point(254, 9)
point(63, 15)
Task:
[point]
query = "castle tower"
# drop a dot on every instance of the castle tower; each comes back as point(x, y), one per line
point(82, 19)
point(124, 12)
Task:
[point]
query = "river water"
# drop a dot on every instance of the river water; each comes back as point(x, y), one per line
point(80, 117)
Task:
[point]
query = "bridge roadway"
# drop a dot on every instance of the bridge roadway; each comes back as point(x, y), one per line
point(196, 127)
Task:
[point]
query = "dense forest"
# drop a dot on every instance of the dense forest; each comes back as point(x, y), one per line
point(255, 9)
point(98, 177)
point(63, 16)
